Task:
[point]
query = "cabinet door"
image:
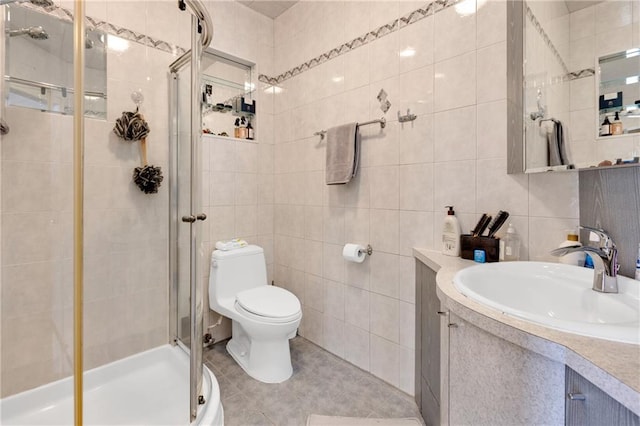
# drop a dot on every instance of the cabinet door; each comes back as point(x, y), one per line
point(588, 405)
point(428, 345)
point(494, 382)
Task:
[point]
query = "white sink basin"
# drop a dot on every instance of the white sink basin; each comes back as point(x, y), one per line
point(557, 296)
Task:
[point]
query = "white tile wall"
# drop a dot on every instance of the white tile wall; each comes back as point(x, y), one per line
point(453, 153)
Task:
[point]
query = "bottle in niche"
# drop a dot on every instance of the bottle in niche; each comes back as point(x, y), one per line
point(208, 94)
point(236, 130)
point(511, 244)
point(243, 128)
point(250, 131)
point(616, 126)
point(605, 127)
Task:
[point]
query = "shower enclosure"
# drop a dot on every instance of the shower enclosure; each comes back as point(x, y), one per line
point(139, 361)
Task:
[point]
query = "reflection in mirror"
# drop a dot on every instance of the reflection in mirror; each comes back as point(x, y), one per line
point(39, 63)
point(562, 42)
point(619, 93)
point(226, 81)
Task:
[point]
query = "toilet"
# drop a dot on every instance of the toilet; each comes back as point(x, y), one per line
point(264, 317)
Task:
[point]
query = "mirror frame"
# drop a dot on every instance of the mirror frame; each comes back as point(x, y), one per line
point(515, 86)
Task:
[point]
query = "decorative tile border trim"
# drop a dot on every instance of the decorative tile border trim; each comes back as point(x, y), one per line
point(587, 72)
point(576, 75)
point(96, 24)
point(386, 29)
point(536, 24)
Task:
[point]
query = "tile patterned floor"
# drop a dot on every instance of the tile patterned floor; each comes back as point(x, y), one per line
point(321, 384)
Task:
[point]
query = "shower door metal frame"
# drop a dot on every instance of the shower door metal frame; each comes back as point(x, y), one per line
point(201, 35)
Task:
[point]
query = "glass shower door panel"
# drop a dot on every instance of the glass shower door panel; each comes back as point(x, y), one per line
point(187, 222)
point(183, 206)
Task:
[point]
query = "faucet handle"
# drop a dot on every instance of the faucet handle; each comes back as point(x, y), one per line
point(605, 239)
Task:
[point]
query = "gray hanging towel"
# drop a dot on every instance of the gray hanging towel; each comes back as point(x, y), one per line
point(556, 146)
point(561, 145)
point(4, 127)
point(343, 153)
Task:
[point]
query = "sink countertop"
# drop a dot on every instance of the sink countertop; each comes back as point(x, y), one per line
point(613, 367)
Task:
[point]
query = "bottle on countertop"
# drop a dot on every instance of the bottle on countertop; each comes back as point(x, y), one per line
point(594, 241)
point(511, 244)
point(616, 126)
point(605, 127)
point(451, 234)
point(250, 131)
point(236, 130)
point(576, 258)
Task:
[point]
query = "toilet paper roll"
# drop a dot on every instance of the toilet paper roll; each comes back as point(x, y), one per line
point(353, 253)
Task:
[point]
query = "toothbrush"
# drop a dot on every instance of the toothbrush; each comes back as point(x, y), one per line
point(478, 225)
point(497, 223)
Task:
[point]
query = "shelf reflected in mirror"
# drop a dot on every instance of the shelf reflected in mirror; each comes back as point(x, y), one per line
point(619, 94)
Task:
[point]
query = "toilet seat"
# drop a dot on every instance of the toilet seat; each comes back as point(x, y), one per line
point(268, 304)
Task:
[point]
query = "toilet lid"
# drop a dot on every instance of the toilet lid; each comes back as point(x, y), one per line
point(269, 301)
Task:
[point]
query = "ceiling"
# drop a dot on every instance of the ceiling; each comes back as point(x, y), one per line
point(575, 5)
point(272, 9)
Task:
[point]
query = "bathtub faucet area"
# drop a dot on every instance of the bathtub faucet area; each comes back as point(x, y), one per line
point(605, 260)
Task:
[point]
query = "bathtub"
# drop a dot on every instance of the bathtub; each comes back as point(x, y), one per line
point(149, 388)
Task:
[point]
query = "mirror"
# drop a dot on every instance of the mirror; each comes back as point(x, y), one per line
point(568, 67)
point(227, 88)
point(39, 63)
point(619, 94)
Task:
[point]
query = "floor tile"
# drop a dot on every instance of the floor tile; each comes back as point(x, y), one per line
point(321, 384)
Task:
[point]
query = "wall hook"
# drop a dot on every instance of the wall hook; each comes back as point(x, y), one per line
point(407, 117)
point(137, 97)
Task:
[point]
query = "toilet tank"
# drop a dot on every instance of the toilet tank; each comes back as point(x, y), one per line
point(236, 270)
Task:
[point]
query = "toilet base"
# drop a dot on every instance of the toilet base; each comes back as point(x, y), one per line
point(266, 361)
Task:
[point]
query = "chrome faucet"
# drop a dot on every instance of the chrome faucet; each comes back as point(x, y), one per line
point(605, 260)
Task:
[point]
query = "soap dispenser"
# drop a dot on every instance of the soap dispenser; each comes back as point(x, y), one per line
point(605, 127)
point(451, 234)
point(243, 128)
point(236, 129)
point(616, 126)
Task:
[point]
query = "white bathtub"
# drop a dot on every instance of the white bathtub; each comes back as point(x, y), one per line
point(149, 388)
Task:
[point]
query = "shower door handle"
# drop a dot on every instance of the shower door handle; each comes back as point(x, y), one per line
point(188, 219)
point(191, 218)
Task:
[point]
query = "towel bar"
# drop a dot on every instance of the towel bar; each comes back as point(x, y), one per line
point(382, 121)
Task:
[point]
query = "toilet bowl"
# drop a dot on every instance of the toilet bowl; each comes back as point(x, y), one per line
point(264, 317)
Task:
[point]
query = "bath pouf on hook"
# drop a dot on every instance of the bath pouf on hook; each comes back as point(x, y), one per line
point(131, 126)
point(148, 178)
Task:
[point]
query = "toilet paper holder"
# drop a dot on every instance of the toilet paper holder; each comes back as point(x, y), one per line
point(368, 250)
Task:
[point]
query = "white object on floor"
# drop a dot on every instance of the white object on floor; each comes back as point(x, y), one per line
point(149, 388)
point(318, 420)
point(264, 317)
